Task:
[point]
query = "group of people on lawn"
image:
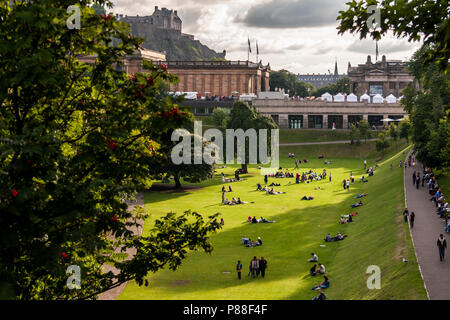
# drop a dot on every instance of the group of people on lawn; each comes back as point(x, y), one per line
point(257, 267)
point(249, 243)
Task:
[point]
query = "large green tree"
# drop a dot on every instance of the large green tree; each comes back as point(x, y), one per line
point(246, 117)
point(428, 108)
point(76, 141)
point(288, 81)
point(416, 20)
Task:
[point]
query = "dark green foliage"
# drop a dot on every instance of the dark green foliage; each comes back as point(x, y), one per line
point(286, 80)
point(416, 20)
point(76, 142)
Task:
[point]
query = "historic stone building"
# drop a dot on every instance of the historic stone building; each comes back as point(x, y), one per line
point(220, 78)
point(293, 114)
point(321, 80)
point(384, 77)
point(132, 63)
point(162, 31)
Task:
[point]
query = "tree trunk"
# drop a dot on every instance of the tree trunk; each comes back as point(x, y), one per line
point(244, 167)
point(177, 181)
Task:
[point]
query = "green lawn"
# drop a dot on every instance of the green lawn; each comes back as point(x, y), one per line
point(377, 237)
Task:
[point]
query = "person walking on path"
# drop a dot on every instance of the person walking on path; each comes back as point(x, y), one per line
point(411, 219)
point(239, 269)
point(417, 181)
point(442, 245)
point(414, 178)
point(365, 164)
point(405, 214)
point(262, 266)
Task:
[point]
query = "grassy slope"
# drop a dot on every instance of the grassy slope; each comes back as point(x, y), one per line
point(378, 236)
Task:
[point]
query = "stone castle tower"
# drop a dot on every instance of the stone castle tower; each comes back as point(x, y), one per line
point(162, 32)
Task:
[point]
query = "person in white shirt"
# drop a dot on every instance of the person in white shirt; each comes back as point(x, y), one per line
point(314, 258)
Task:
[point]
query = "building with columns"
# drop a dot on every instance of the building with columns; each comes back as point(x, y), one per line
point(219, 78)
point(293, 114)
point(383, 77)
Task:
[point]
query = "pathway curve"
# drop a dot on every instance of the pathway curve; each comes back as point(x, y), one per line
point(427, 227)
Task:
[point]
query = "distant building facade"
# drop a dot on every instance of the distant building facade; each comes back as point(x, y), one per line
point(384, 77)
point(321, 80)
point(219, 78)
point(131, 63)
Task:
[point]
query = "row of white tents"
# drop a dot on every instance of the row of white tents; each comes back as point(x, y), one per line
point(378, 98)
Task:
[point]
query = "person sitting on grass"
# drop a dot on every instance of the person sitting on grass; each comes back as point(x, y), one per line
point(362, 179)
point(254, 220)
point(264, 220)
point(244, 240)
point(258, 187)
point(314, 258)
point(328, 238)
point(307, 198)
point(320, 296)
point(229, 189)
point(323, 285)
point(355, 205)
point(239, 201)
point(321, 269)
point(259, 241)
point(342, 220)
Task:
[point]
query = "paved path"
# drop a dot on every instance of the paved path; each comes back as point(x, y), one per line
point(427, 227)
point(113, 294)
point(324, 142)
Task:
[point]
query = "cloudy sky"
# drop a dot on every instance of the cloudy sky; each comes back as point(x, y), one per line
point(297, 35)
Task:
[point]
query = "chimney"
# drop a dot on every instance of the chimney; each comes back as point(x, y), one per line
point(156, 8)
point(369, 60)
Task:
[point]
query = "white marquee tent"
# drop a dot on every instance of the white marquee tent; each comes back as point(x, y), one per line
point(339, 98)
point(365, 96)
point(352, 98)
point(327, 97)
point(391, 99)
point(377, 98)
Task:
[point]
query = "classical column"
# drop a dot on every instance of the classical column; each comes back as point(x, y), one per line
point(283, 121)
point(366, 117)
point(345, 121)
point(325, 121)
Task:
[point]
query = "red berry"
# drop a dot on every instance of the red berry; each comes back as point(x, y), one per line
point(163, 66)
point(64, 254)
point(115, 217)
point(14, 193)
point(111, 144)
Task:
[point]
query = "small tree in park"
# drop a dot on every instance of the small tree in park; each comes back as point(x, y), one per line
point(354, 134)
point(404, 129)
point(245, 117)
point(382, 142)
point(393, 132)
point(364, 129)
point(220, 117)
point(77, 141)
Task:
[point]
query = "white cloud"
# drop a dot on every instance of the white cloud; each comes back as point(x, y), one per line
point(301, 48)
